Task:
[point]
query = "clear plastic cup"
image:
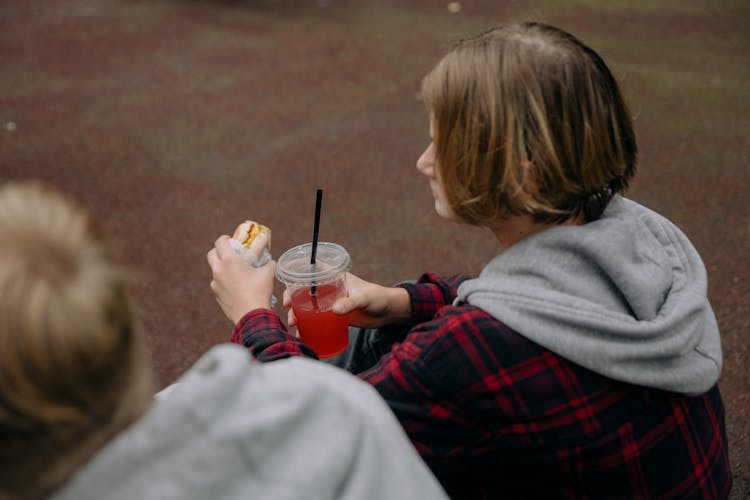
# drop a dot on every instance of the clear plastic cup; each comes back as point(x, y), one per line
point(313, 289)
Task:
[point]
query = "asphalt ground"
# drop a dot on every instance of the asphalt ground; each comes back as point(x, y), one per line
point(173, 120)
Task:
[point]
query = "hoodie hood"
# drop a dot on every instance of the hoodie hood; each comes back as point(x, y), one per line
point(232, 429)
point(624, 296)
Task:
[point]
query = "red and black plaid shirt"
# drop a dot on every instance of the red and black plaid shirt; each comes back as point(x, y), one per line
point(496, 415)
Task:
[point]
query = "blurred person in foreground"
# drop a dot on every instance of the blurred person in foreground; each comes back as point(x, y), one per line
point(583, 361)
point(77, 415)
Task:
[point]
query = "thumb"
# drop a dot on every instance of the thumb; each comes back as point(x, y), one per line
point(345, 305)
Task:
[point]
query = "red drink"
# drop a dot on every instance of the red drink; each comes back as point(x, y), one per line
point(325, 332)
point(320, 328)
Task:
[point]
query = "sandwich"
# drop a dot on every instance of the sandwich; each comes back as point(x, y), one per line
point(252, 241)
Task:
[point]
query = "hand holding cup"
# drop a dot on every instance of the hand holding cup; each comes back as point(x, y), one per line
point(367, 304)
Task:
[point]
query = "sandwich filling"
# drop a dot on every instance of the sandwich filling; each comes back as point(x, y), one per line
point(252, 232)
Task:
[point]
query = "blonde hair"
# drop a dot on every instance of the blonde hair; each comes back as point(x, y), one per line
point(528, 120)
point(73, 364)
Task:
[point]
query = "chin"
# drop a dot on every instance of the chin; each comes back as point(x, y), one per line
point(443, 211)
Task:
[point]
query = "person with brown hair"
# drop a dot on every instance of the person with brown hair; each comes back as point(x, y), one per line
point(78, 419)
point(73, 365)
point(583, 361)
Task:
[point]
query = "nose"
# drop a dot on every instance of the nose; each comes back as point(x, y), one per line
point(426, 162)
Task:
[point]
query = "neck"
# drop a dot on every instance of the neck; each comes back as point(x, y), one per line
point(513, 229)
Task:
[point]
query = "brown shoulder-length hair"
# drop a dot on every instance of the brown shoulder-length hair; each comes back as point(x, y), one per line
point(73, 363)
point(528, 120)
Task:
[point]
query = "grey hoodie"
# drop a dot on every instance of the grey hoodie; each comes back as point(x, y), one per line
point(624, 296)
point(232, 429)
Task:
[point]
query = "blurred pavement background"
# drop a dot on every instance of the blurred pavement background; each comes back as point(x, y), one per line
point(173, 120)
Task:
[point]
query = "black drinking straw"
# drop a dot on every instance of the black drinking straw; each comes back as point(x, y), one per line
point(318, 202)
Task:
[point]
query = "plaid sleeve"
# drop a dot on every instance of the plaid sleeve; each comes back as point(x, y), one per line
point(267, 338)
point(430, 293)
point(424, 378)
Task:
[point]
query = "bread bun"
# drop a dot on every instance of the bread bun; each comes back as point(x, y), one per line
point(253, 239)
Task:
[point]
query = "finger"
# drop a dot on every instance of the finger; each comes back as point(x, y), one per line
point(286, 298)
point(291, 319)
point(271, 266)
point(361, 320)
point(267, 271)
point(212, 258)
point(223, 248)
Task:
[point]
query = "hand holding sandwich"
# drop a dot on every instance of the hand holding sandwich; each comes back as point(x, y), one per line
point(239, 288)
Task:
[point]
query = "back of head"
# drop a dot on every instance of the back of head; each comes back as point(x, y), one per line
point(73, 367)
point(528, 120)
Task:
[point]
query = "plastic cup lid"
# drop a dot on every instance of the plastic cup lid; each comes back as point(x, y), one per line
point(294, 268)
